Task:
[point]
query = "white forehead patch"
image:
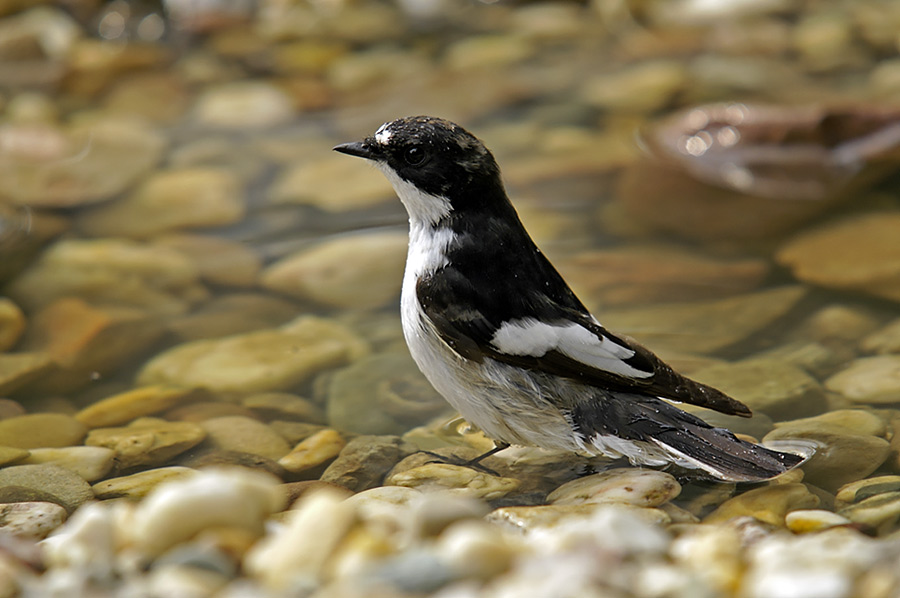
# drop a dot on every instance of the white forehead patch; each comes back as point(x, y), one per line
point(383, 134)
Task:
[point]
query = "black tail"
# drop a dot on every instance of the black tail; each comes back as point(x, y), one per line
point(685, 438)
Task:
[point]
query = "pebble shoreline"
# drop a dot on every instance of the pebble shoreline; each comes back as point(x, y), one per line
point(204, 390)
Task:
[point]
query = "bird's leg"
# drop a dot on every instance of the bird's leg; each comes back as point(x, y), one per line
point(473, 463)
point(498, 446)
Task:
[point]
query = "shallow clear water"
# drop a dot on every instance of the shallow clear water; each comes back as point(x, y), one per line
point(722, 188)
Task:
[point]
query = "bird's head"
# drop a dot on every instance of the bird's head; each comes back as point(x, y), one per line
point(435, 166)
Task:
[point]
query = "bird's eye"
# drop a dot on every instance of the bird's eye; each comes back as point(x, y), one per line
point(414, 155)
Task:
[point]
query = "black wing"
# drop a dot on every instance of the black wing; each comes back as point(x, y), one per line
point(536, 322)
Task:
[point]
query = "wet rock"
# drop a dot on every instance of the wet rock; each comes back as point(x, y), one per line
point(848, 446)
point(12, 323)
point(331, 184)
point(168, 201)
point(712, 553)
point(638, 487)
point(648, 274)
point(284, 407)
point(125, 407)
point(295, 432)
point(243, 105)
point(19, 369)
point(637, 88)
point(381, 394)
point(218, 261)
point(712, 180)
point(857, 254)
point(863, 489)
point(147, 441)
point(333, 272)
point(780, 390)
point(296, 555)
point(315, 451)
point(456, 479)
point(805, 521)
point(33, 520)
point(874, 380)
point(203, 457)
point(38, 430)
point(86, 342)
point(823, 564)
point(110, 271)
point(10, 455)
point(138, 485)
point(198, 412)
point(487, 52)
point(884, 341)
point(769, 504)
point(92, 463)
point(880, 512)
point(233, 314)
point(10, 408)
point(365, 461)
point(261, 361)
point(177, 510)
point(704, 326)
point(159, 97)
point(243, 434)
point(63, 486)
point(82, 164)
point(476, 549)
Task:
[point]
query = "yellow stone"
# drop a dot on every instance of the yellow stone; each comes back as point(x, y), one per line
point(314, 451)
point(127, 406)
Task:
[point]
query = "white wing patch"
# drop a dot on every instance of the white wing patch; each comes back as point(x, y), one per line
point(533, 338)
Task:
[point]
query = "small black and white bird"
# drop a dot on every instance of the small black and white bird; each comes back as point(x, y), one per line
point(500, 335)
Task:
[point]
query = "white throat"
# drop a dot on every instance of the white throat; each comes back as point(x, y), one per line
point(423, 208)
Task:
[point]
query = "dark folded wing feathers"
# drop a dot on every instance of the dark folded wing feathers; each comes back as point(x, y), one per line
point(469, 332)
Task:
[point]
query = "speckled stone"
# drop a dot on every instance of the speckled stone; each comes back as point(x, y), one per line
point(638, 487)
point(33, 520)
point(90, 462)
point(147, 441)
point(37, 430)
point(66, 488)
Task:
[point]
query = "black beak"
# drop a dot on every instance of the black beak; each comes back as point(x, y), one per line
point(356, 148)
